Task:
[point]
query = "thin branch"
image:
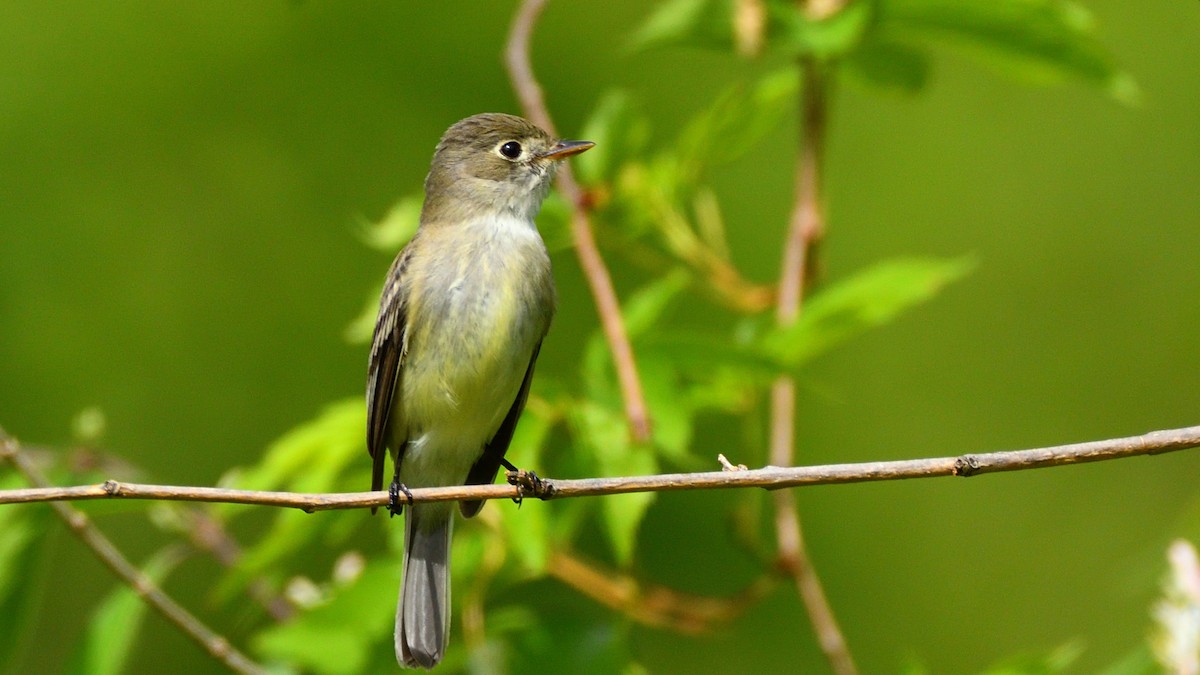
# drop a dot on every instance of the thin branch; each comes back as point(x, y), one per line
point(81, 526)
point(726, 287)
point(653, 605)
point(771, 477)
point(530, 94)
point(805, 231)
point(808, 219)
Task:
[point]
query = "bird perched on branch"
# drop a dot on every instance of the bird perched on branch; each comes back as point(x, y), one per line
point(462, 317)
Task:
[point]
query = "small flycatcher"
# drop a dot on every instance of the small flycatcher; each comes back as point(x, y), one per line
point(463, 313)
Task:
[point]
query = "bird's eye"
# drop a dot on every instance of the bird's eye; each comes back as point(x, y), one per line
point(511, 150)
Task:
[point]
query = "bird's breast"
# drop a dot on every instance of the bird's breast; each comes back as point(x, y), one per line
point(479, 305)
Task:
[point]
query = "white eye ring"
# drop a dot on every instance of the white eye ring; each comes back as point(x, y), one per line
point(510, 150)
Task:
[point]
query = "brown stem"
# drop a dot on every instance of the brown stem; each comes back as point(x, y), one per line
point(651, 605)
point(599, 281)
point(722, 282)
point(81, 526)
point(805, 230)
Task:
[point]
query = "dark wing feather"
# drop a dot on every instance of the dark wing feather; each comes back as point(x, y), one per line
point(388, 350)
point(485, 468)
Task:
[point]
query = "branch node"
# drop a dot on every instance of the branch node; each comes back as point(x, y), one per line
point(528, 484)
point(112, 487)
point(966, 466)
point(787, 564)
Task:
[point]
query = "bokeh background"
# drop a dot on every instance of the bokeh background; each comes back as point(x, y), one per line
point(180, 186)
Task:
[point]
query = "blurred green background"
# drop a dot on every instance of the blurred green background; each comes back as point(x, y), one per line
point(180, 186)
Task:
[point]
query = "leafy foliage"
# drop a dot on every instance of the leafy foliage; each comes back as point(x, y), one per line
point(1035, 40)
point(339, 636)
point(115, 623)
point(887, 42)
point(314, 457)
point(684, 373)
point(666, 217)
point(21, 551)
point(867, 300)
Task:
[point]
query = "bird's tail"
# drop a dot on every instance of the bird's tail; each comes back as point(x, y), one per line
point(423, 615)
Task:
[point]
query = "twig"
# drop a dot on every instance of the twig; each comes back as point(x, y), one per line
point(805, 231)
point(771, 477)
point(729, 289)
point(81, 526)
point(530, 94)
point(652, 605)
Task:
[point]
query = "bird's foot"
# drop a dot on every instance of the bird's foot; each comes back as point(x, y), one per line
point(528, 483)
point(394, 491)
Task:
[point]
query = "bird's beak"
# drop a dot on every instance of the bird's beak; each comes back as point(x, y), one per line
point(563, 149)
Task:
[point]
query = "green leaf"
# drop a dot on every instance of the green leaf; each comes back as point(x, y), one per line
point(604, 432)
point(554, 221)
point(339, 637)
point(310, 458)
point(647, 305)
point(836, 314)
point(360, 329)
point(890, 65)
point(525, 529)
point(526, 533)
point(738, 120)
point(708, 24)
point(530, 436)
point(1040, 41)
point(619, 132)
point(867, 300)
point(643, 197)
point(1056, 661)
point(22, 545)
point(580, 643)
point(824, 38)
point(312, 454)
point(700, 23)
point(115, 623)
point(639, 313)
point(596, 371)
point(1139, 661)
point(669, 405)
point(471, 547)
point(724, 390)
point(702, 354)
point(505, 626)
point(394, 229)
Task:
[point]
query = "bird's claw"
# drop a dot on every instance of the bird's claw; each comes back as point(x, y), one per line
point(394, 491)
point(528, 484)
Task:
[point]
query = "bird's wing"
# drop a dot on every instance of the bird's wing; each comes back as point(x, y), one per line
point(485, 468)
point(388, 351)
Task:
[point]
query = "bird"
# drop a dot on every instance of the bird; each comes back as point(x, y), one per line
point(463, 312)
